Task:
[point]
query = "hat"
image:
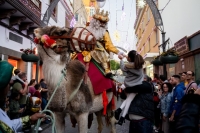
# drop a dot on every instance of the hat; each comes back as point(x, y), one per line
point(5, 74)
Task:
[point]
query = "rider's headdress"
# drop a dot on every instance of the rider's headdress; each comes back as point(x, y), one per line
point(101, 15)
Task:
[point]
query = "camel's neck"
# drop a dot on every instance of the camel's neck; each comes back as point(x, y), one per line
point(52, 72)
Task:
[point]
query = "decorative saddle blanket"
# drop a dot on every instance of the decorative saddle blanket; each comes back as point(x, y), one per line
point(99, 82)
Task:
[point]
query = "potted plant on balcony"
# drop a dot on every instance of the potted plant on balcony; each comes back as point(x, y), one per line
point(29, 55)
point(169, 57)
point(156, 61)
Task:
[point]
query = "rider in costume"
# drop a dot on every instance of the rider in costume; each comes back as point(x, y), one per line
point(98, 27)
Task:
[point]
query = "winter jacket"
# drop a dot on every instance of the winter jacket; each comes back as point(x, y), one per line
point(143, 104)
point(177, 95)
point(133, 76)
point(165, 100)
point(189, 116)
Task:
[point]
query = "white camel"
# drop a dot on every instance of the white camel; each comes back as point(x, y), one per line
point(84, 101)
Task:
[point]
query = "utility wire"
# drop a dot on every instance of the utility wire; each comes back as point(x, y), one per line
point(161, 10)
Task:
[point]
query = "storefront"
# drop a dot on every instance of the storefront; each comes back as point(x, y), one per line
point(189, 52)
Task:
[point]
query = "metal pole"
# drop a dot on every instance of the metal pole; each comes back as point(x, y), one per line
point(37, 71)
point(164, 49)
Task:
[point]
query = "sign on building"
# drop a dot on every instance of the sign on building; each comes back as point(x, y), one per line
point(182, 46)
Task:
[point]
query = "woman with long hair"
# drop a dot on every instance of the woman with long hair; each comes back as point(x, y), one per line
point(165, 100)
point(31, 87)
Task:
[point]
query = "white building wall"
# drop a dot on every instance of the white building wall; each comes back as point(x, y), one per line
point(7, 43)
point(61, 13)
point(180, 18)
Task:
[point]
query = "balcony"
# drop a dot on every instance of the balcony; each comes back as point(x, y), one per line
point(21, 15)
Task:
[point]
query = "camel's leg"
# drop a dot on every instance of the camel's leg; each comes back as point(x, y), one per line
point(99, 120)
point(60, 122)
point(82, 120)
point(113, 122)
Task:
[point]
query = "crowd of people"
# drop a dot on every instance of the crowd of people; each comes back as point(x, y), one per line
point(160, 107)
point(21, 95)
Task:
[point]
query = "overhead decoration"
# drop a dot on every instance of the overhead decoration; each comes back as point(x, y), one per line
point(123, 16)
point(117, 36)
point(141, 3)
point(101, 3)
point(73, 22)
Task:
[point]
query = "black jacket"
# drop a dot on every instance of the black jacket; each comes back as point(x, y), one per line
point(143, 104)
point(189, 116)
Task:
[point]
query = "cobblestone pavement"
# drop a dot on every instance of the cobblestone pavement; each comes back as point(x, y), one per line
point(69, 129)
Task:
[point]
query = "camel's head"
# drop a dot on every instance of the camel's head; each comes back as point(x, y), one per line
point(51, 40)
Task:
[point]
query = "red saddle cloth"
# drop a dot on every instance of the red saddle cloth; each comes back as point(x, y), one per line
point(99, 81)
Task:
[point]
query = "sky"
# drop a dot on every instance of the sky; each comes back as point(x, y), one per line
point(125, 25)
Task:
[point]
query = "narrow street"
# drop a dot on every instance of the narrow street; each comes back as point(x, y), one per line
point(69, 129)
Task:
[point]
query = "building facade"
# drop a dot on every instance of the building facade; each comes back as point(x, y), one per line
point(80, 13)
point(90, 6)
point(183, 28)
point(18, 20)
point(147, 36)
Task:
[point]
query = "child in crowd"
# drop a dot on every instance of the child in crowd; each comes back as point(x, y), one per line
point(133, 79)
point(14, 107)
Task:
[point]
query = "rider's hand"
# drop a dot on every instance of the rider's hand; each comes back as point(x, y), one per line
point(120, 57)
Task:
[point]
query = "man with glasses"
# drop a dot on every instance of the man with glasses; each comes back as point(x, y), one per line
point(192, 86)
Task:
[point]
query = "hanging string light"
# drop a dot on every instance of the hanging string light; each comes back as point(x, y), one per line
point(117, 36)
point(141, 3)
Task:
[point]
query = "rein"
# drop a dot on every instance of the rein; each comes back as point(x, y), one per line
point(52, 116)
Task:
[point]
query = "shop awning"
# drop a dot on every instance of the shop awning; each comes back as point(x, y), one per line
point(149, 56)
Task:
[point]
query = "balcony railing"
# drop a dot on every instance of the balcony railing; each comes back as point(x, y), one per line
point(30, 8)
point(33, 5)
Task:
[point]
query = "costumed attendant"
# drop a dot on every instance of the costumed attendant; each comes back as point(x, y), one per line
point(15, 125)
point(132, 80)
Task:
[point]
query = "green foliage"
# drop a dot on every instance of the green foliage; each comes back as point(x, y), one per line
point(114, 65)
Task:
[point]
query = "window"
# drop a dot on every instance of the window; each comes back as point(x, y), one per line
point(144, 49)
point(76, 17)
point(15, 37)
point(92, 11)
point(143, 25)
point(54, 14)
point(157, 36)
point(148, 15)
point(149, 45)
point(36, 2)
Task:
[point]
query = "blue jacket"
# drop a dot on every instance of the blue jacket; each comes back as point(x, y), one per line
point(165, 101)
point(177, 95)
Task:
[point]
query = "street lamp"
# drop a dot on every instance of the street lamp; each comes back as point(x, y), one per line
point(158, 23)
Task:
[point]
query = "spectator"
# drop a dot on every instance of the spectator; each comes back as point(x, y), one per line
point(163, 79)
point(37, 92)
point(16, 72)
point(14, 106)
point(21, 88)
point(184, 78)
point(165, 104)
point(188, 121)
point(31, 87)
point(7, 125)
point(141, 111)
point(192, 86)
point(175, 106)
point(157, 119)
point(44, 91)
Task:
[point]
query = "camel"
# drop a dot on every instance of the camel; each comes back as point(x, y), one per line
point(84, 101)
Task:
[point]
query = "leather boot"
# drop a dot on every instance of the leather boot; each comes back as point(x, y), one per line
point(121, 121)
point(107, 69)
point(117, 113)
